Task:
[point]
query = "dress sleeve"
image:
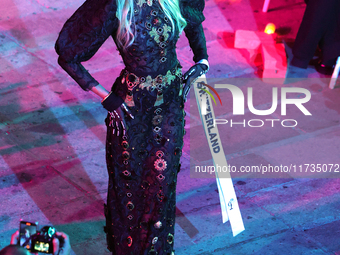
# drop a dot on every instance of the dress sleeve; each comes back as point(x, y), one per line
point(192, 11)
point(82, 35)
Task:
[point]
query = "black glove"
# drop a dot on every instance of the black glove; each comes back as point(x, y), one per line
point(112, 101)
point(191, 76)
point(117, 118)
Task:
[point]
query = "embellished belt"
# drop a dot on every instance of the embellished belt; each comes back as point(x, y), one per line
point(159, 83)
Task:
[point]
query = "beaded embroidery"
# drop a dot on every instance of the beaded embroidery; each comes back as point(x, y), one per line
point(141, 2)
point(161, 81)
point(160, 164)
point(161, 33)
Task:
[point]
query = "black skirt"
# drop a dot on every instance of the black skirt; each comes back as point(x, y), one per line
point(142, 168)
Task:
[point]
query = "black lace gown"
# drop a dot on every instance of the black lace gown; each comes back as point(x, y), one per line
point(143, 164)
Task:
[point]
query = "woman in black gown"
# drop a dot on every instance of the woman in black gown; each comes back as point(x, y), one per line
point(145, 123)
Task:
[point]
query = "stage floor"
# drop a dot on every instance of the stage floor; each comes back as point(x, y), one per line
point(52, 137)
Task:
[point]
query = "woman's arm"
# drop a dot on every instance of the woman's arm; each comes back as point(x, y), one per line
point(192, 11)
point(81, 37)
point(82, 77)
point(197, 42)
point(100, 91)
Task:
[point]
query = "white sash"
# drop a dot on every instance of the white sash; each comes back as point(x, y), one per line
point(228, 200)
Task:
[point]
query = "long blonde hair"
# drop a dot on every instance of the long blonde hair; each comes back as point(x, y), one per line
point(125, 36)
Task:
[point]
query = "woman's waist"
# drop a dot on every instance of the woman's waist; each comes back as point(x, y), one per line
point(148, 70)
point(151, 80)
point(150, 90)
